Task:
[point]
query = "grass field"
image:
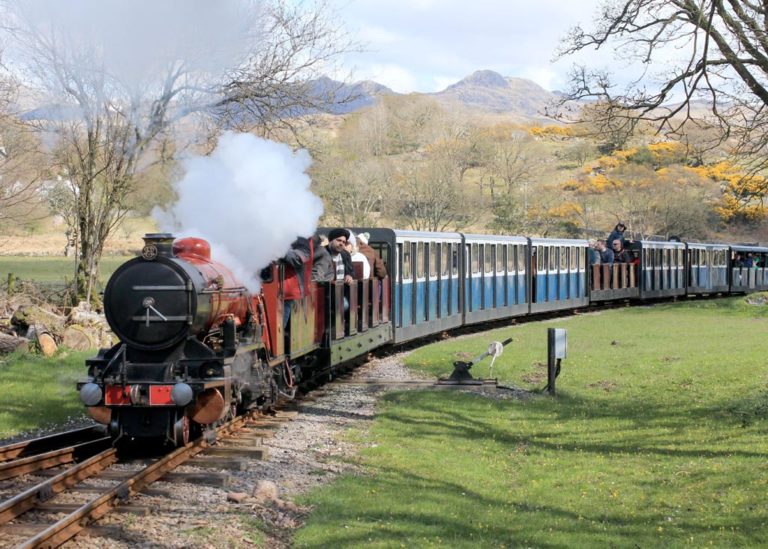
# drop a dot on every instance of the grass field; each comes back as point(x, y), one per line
point(657, 437)
point(51, 269)
point(39, 392)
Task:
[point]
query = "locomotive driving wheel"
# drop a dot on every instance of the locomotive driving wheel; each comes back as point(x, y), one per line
point(181, 429)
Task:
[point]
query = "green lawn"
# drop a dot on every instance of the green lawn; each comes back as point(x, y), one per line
point(51, 269)
point(39, 392)
point(657, 437)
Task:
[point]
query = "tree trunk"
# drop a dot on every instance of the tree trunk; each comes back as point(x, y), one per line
point(9, 343)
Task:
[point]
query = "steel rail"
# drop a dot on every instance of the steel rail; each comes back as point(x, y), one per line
point(54, 458)
point(25, 501)
point(72, 524)
point(50, 442)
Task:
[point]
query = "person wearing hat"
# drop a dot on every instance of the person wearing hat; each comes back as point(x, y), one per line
point(379, 269)
point(617, 233)
point(342, 261)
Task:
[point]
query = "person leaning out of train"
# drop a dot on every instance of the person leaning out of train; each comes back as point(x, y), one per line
point(357, 257)
point(593, 253)
point(377, 264)
point(620, 253)
point(322, 264)
point(618, 232)
point(296, 261)
point(606, 254)
point(342, 261)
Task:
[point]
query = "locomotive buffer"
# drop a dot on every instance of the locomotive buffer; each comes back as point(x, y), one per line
point(461, 374)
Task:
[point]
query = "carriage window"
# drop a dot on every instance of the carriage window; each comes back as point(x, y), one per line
point(552, 258)
point(489, 257)
point(538, 253)
point(679, 257)
point(454, 259)
point(475, 259)
point(406, 260)
point(445, 258)
point(432, 259)
point(563, 258)
point(520, 258)
point(512, 253)
point(501, 253)
point(704, 258)
point(418, 259)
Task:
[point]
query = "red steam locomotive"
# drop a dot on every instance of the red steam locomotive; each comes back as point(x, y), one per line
point(195, 346)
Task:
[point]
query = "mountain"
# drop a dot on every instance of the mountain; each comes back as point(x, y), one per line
point(488, 91)
point(348, 98)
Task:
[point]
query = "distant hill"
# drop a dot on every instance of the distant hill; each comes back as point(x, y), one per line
point(484, 91)
point(489, 91)
point(346, 98)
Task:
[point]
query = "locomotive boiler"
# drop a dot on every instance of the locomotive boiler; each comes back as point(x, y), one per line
point(191, 347)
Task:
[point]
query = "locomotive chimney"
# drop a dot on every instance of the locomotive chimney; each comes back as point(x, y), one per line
point(158, 244)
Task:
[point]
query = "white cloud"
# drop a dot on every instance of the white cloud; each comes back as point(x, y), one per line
point(430, 42)
point(396, 77)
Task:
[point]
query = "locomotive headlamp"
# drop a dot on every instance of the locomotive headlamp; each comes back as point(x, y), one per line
point(181, 394)
point(90, 394)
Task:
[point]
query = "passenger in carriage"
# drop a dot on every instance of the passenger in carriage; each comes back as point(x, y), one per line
point(322, 264)
point(297, 259)
point(379, 269)
point(342, 261)
point(620, 254)
point(635, 257)
point(738, 261)
point(606, 254)
point(593, 252)
point(749, 261)
point(618, 233)
point(357, 257)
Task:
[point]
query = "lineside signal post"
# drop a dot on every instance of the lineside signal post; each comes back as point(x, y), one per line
point(557, 339)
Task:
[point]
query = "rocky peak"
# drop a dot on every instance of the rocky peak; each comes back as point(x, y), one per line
point(484, 78)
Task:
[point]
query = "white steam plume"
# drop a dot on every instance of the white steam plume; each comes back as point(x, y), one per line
point(250, 199)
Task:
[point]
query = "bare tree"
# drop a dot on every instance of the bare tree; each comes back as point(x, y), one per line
point(109, 110)
point(710, 51)
point(429, 197)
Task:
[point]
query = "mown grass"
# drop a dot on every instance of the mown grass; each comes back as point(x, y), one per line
point(51, 269)
point(39, 392)
point(657, 436)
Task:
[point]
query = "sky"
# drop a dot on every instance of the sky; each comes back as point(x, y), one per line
point(426, 45)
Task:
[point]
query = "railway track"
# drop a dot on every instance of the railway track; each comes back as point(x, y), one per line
point(20, 515)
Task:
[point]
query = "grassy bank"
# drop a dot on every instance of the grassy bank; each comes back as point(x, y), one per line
point(657, 436)
point(51, 269)
point(39, 392)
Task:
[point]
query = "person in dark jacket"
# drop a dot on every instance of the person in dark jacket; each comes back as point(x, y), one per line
point(606, 254)
point(620, 253)
point(618, 232)
point(342, 261)
point(322, 264)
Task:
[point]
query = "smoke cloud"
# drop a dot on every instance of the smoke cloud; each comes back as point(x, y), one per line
point(139, 43)
point(250, 199)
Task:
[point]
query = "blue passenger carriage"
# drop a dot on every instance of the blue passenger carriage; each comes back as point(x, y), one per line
point(748, 268)
point(558, 274)
point(706, 268)
point(425, 272)
point(496, 277)
point(663, 269)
